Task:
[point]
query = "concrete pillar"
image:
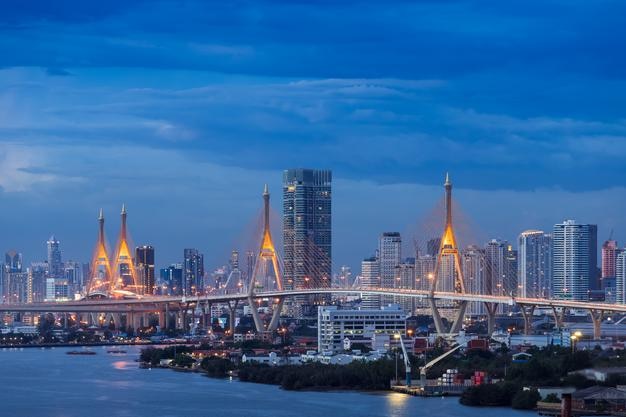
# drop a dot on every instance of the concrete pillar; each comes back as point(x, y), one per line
point(167, 316)
point(492, 310)
point(117, 320)
point(232, 309)
point(558, 317)
point(255, 315)
point(460, 315)
point(436, 316)
point(162, 320)
point(65, 326)
point(527, 313)
point(276, 314)
point(596, 317)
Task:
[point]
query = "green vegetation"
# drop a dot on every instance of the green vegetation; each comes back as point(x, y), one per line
point(356, 375)
point(526, 399)
point(551, 398)
point(217, 367)
point(153, 356)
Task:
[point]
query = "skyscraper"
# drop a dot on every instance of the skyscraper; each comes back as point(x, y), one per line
point(405, 279)
point(144, 262)
point(55, 265)
point(574, 259)
point(13, 261)
point(535, 264)
point(193, 268)
point(620, 278)
point(307, 233)
point(389, 257)
point(171, 280)
point(370, 278)
point(501, 268)
point(473, 264)
point(610, 251)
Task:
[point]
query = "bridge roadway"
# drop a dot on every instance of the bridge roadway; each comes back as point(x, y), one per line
point(152, 303)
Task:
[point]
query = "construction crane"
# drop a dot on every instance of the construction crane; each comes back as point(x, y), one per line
point(424, 368)
point(407, 363)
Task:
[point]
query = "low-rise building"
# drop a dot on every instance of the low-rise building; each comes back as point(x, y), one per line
point(335, 325)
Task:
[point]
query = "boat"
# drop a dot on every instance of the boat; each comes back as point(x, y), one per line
point(116, 351)
point(80, 352)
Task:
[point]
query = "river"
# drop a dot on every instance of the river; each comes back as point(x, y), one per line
point(48, 382)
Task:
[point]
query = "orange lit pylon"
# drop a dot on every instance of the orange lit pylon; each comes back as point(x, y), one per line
point(448, 246)
point(267, 251)
point(124, 274)
point(100, 277)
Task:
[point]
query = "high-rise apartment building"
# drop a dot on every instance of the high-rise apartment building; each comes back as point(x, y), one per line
point(55, 264)
point(473, 264)
point(574, 260)
point(171, 280)
point(405, 279)
point(370, 278)
point(501, 268)
point(389, 257)
point(307, 237)
point(193, 266)
point(144, 263)
point(535, 264)
point(620, 277)
point(610, 250)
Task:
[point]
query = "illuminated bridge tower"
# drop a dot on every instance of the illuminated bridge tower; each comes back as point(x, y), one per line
point(100, 278)
point(448, 251)
point(261, 277)
point(124, 274)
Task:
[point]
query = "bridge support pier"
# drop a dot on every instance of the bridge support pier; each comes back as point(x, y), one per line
point(162, 320)
point(460, 315)
point(527, 313)
point(278, 307)
point(232, 309)
point(436, 316)
point(258, 323)
point(558, 317)
point(596, 317)
point(492, 310)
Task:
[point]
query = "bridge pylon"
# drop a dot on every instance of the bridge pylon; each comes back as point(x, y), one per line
point(124, 273)
point(100, 276)
point(260, 276)
point(448, 248)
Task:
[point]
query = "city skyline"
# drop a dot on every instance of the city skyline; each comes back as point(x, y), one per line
point(354, 260)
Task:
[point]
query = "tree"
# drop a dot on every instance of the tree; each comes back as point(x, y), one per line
point(525, 399)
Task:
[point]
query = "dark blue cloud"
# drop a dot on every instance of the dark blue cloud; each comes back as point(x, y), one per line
point(513, 97)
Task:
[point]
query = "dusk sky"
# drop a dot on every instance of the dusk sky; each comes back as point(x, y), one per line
point(183, 110)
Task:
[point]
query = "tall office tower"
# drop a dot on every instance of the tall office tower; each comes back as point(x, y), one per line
point(620, 277)
point(73, 273)
point(344, 279)
point(13, 261)
point(405, 280)
point(193, 266)
point(144, 263)
point(171, 280)
point(535, 264)
point(574, 260)
point(307, 234)
point(501, 268)
point(55, 264)
point(473, 264)
point(432, 246)
point(424, 276)
point(389, 257)
point(370, 278)
point(37, 281)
